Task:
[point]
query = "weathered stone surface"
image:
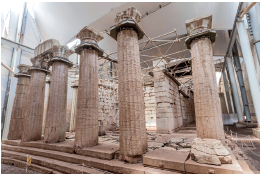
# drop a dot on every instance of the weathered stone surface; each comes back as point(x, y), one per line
point(20, 103)
point(207, 105)
point(129, 14)
point(108, 105)
point(86, 133)
point(133, 138)
point(223, 103)
point(209, 151)
point(35, 106)
point(198, 24)
point(45, 47)
point(48, 81)
point(168, 159)
point(168, 110)
point(55, 126)
point(150, 107)
point(74, 106)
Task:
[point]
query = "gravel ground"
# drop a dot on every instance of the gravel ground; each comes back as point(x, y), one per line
point(254, 156)
point(8, 169)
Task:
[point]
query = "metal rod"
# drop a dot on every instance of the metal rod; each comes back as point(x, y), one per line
point(247, 9)
point(8, 68)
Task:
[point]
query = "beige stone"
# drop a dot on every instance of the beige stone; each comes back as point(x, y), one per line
point(48, 81)
point(207, 105)
point(86, 133)
point(35, 103)
point(55, 125)
point(74, 106)
point(20, 101)
point(210, 151)
point(133, 139)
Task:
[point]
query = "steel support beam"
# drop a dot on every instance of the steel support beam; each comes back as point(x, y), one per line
point(234, 89)
point(241, 82)
point(250, 67)
point(227, 92)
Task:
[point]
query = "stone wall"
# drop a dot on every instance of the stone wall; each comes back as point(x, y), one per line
point(188, 110)
point(108, 107)
point(168, 111)
point(150, 107)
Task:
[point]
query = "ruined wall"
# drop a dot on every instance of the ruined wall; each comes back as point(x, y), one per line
point(150, 107)
point(108, 107)
point(168, 111)
point(188, 111)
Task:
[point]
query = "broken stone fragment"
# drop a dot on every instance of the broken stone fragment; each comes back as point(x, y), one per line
point(45, 47)
point(210, 151)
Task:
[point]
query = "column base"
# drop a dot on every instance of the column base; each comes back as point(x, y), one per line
point(128, 159)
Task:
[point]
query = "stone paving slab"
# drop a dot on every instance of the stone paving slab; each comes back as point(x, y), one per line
point(168, 159)
point(192, 166)
point(101, 151)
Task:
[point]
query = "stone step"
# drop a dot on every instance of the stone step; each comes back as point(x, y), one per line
point(33, 167)
point(101, 151)
point(113, 165)
point(168, 159)
point(60, 166)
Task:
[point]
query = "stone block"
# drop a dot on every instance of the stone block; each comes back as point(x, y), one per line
point(168, 159)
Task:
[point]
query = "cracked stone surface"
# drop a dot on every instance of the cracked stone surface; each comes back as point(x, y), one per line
point(210, 151)
point(86, 133)
point(133, 138)
point(20, 103)
point(206, 99)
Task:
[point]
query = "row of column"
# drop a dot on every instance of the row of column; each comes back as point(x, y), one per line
point(133, 138)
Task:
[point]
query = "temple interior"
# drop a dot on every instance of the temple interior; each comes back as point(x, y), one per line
point(130, 87)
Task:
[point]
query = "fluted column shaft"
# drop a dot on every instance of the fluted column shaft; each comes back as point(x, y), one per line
point(46, 107)
point(207, 105)
point(133, 139)
point(73, 109)
point(19, 108)
point(35, 106)
point(55, 126)
point(86, 133)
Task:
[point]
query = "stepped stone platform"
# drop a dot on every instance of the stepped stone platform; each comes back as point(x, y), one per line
point(52, 158)
point(102, 150)
point(64, 158)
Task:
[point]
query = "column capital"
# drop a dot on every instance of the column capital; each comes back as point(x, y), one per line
point(89, 40)
point(61, 54)
point(199, 27)
point(23, 70)
point(40, 63)
point(126, 20)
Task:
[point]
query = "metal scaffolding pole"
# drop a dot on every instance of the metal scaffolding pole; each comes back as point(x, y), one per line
point(234, 89)
point(227, 92)
point(241, 82)
point(250, 67)
point(231, 90)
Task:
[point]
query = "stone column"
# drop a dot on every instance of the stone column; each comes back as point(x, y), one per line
point(46, 106)
point(133, 139)
point(20, 101)
point(223, 103)
point(86, 133)
point(74, 106)
point(55, 126)
point(32, 121)
point(209, 122)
